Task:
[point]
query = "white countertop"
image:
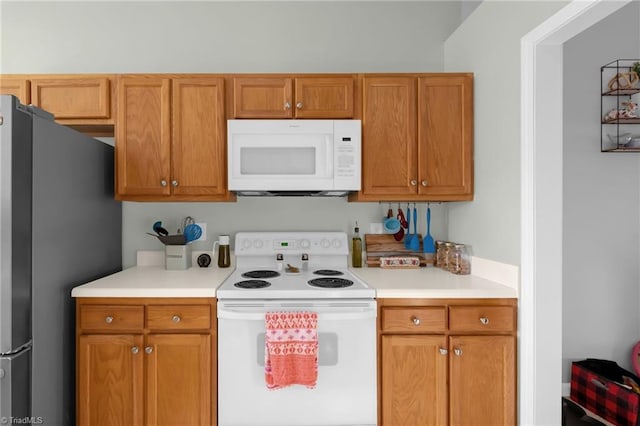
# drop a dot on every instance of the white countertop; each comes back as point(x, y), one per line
point(150, 279)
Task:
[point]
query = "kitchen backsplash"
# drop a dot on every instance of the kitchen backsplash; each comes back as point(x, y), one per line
point(263, 214)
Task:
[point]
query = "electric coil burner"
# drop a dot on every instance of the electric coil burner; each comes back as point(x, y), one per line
point(328, 272)
point(261, 273)
point(330, 282)
point(252, 284)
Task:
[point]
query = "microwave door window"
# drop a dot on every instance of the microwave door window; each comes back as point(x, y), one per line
point(270, 161)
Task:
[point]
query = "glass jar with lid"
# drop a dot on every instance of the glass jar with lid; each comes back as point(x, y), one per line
point(459, 259)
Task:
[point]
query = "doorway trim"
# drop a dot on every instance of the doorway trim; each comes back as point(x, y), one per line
point(540, 313)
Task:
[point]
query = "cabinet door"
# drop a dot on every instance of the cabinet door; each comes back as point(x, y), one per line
point(445, 137)
point(179, 379)
point(262, 97)
point(199, 141)
point(110, 380)
point(19, 87)
point(389, 150)
point(413, 380)
point(73, 97)
point(324, 97)
point(143, 136)
point(482, 380)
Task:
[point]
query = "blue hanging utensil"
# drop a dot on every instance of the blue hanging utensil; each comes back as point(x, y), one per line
point(414, 244)
point(428, 245)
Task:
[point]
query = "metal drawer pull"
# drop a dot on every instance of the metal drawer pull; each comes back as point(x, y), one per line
point(175, 319)
point(163, 182)
point(415, 320)
point(148, 349)
point(134, 350)
point(484, 320)
point(287, 105)
point(108, 320)
point(457, 351)
point(443, 351)
point(299, 105)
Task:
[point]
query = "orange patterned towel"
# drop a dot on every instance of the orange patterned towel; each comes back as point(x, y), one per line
point(291, 349)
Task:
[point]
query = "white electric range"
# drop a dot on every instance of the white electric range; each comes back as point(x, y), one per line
point(296, 271)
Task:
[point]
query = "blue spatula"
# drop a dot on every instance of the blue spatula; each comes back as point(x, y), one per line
point(428, 245)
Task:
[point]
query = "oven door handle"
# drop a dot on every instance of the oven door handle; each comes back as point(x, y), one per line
point(237, 314)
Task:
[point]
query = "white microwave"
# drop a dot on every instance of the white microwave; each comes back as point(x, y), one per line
point(294, 157)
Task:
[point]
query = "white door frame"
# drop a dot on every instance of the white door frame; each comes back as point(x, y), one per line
point(540, 313)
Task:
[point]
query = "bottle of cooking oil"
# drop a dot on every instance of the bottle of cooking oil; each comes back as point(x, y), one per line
point(356, 248)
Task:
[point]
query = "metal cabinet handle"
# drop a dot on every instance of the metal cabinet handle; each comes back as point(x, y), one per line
point(484, 320)
point(108, 320)
point(148, 349)
point(424, 183)
point(174, 183)
point(457, 351)
point(176, 318)
point(299, 105)
point(443, 351)
point(163, 182)
point(415, 320)
point(287, 105)
point(134, 350)
point(414, 182)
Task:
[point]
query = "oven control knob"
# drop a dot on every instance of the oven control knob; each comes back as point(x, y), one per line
point(324, 243)
point(258, 244)
point(305, 244)
point(246, 244)
point(336, 243)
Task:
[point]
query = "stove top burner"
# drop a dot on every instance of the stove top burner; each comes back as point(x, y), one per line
point(251, 284)
point(261, 273)
point(327, 272)
point(330, 282)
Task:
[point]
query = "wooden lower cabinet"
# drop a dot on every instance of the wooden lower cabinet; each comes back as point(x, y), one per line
point(447, 362)
point(414, 379)
point(110, 379)
point(146, 362)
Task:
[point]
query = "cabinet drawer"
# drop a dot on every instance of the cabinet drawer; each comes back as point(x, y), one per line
point(482, 318)
point(416, 319)
point(178, 317)
point(111, 318)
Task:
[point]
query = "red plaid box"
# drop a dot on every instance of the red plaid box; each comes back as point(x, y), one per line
point(599, 386)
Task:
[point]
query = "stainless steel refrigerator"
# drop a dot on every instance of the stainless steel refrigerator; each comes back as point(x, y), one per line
point(59, 227)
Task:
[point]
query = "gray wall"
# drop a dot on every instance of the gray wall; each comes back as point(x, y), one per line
point(601, 205)
point(123, 37)
point(488, 42)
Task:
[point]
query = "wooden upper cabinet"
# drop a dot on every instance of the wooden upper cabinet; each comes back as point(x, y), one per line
point(417, 138)
point(262, 97)
point(143, 136)
point(171, 138)
point(445, 137)
point(71, 98)
point(293, 97)
point(324, 97)
point(198, 149)
point(389, 148)
point(17, 86)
